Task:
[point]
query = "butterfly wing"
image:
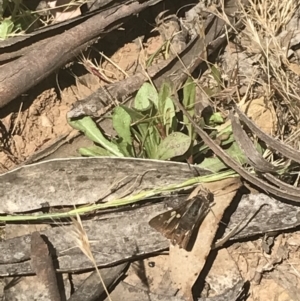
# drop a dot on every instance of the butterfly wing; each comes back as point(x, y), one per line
point(178, 224)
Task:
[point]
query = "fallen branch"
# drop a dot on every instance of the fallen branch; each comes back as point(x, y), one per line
point(23, 73)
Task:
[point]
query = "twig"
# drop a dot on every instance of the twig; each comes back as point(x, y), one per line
point(42, 265)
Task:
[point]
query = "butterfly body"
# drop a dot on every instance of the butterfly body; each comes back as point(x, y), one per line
point(178, 224)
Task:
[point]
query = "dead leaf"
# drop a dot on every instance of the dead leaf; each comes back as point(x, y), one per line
point(7, 121)
point(262, 112)
point(294, 67)
point(185, 267)
point(223, 274)
point(64, 9)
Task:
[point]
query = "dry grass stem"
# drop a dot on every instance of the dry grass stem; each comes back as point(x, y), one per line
point(82, 241)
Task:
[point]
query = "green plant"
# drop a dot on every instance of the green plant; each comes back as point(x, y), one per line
point(152, 129)
point(15, 18)
point(147, 130)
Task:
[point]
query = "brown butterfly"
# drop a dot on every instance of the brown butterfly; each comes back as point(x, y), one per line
point(178, 224)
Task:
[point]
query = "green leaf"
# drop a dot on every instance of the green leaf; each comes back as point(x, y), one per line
point(223, 137)
point(91, 131)
point(169, 119)
point(121, 123)
point(216, 118)
point(189, 96)
point(94, 151)
point(216, 75)
point(152, 141)
point(142, 123)
point(166, 108)
point(164, 93)
point(145, 97)
point(124, 147)
point(236, 154)
point(213, 164)
point(176, 144)
point(145, 130)
point(135, 115)
point(138, 119)
point(216, 165)
point(6, 28)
